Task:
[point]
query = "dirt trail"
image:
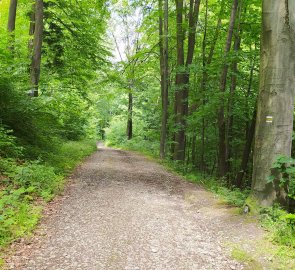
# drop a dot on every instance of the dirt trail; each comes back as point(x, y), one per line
point(122, 211)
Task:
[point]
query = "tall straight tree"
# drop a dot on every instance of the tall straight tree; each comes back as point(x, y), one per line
point(37, 47)
point(11, 22)
point(233, 86)
point(207, 60)
point(182, 76)
point(164, 72)
point(274, 125)
point(12, 15)
point(222, 149)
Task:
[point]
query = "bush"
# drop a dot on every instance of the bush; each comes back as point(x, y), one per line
point(8, 146)
point(142, 140)
point(69, 154)
point(25, 181)
point(40, 179)
point(18, 215)
point(280, 224)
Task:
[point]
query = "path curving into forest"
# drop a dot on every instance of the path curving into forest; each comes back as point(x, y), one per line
point(123, 211)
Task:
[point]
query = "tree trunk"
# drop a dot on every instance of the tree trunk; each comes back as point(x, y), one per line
point(37, 47)
point(223, 151)
point(203, 89)
point(182, 78)
point(246, 153)
point(205, 62)
point(179, 119)
point(32, 29)
point(233, 86)
point(11, 23)
point(164, 73)
point(130, 113)
point(12, 16)
point(275, 108)
point(250, 131)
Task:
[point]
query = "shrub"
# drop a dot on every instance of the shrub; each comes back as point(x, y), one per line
point(41, 179)
point(17, 214)
point(8, 145)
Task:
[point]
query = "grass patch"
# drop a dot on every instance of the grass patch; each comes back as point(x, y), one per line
point(145, 147)
point(70, 154)
point(242, 256)
point(232, 196)
point(276, 221)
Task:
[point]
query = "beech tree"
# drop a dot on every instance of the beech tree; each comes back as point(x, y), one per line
point(275, 110)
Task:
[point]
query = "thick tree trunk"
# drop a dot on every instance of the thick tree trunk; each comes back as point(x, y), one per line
point(130, 114)
point(164, 73)
point(222, 149)
point(37, 47)
point(275, 110)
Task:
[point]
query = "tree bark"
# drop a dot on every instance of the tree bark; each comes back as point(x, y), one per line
point(203, 89)
point(205, 62)
point(12, 16)
point(32, 29)
point(11, 23)
point(233, 86)
point(246, 153)
point(222, 149)
point(275, 108)
point(164, 73)
point(179, 135)
point(130, 114)
point(182, 77)
point(37, 47)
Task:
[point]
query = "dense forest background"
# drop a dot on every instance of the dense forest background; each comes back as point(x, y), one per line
point(177, 80)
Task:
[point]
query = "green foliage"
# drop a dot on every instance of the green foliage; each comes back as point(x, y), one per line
point(285, 166)
point(280, 224)
point(232, 196)
point(142, 141)
point(8, 145)
point(246, 258)
point(23, 182)
point(40, 179)
point(69, 155)
point(18, 214)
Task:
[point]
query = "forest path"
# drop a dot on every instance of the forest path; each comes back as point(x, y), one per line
point(123, 211)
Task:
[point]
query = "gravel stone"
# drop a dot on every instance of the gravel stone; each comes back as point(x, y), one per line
point(123, 211)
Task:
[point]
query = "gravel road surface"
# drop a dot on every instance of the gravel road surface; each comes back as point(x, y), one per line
point(123, 211)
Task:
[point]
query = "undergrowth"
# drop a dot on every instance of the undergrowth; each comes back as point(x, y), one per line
point(25, 183)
